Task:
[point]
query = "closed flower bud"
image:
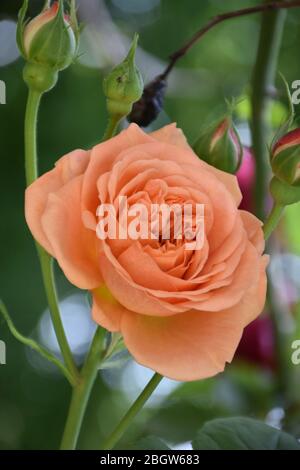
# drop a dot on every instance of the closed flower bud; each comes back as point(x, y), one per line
point(220, 146)
point(246, 180)
point(257, 345)
point(48, 42)
point(285, 158)
point(150, 105)
point(123, 86)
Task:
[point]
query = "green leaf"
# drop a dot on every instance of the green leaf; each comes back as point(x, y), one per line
point(34, 345)
point(149, 443)
point(242, 434)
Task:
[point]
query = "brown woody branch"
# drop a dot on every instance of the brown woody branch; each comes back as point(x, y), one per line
point(219, 19)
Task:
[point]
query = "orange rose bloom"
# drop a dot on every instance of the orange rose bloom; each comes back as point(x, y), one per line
point(181, 313)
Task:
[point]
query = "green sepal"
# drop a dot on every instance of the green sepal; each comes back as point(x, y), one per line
point(285, 164)
point(287, 124)
point(20, 27)
point(283, 193)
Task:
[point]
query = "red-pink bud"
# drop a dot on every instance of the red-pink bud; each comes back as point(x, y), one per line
point(258, 343)
point(51, 38)
point(285, 158)
point(38, 22)
point(220, 146)
point(246, 179)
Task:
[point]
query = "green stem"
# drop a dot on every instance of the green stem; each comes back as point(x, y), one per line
point(111, 128)
point(272, 220)
point(47, 267)
point(31, 166)
point(132, 412)
point(82, 391)
point(263, 78)
point(31, 169)
point(34, 345)
point(282, 338)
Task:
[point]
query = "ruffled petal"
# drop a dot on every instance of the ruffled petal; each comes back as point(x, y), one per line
point(74, 246)
point(36, 195)
point(192, 345)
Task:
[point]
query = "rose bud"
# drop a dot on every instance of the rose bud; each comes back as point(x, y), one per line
point(246, 179)
point(285, 158)
point(257, 345)
point(48, 42)
point(220, 146)
point(123, 86)
point(150, 105)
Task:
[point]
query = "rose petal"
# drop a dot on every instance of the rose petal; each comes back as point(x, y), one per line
point(74, 246)
point(36, 195)
point(171, 135)
point(192, 345)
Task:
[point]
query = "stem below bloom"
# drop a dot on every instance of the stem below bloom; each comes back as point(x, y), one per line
point(132, 412)
point(82, 391)
point(272, 220)
point(31, 169)
point(111, 128)
point(49, 283)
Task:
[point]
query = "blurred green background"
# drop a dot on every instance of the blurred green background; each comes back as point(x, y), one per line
point(33, 397)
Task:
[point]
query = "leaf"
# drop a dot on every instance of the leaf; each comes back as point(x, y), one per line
point(243, 389)
point(242, 434)
point(34, 345)
point(149, 443)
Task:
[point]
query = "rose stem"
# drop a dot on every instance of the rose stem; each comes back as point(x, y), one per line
point(82, 391)
point(278, 315)
point(132, 412)
point(263, 78)
point(111, 128)
point(46, 262)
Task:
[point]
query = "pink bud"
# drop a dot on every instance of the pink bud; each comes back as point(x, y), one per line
point(288, 140)
point(258, 343)
point(220, 146)
point(219, 133)
point(38, 22)
point(285, 158)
